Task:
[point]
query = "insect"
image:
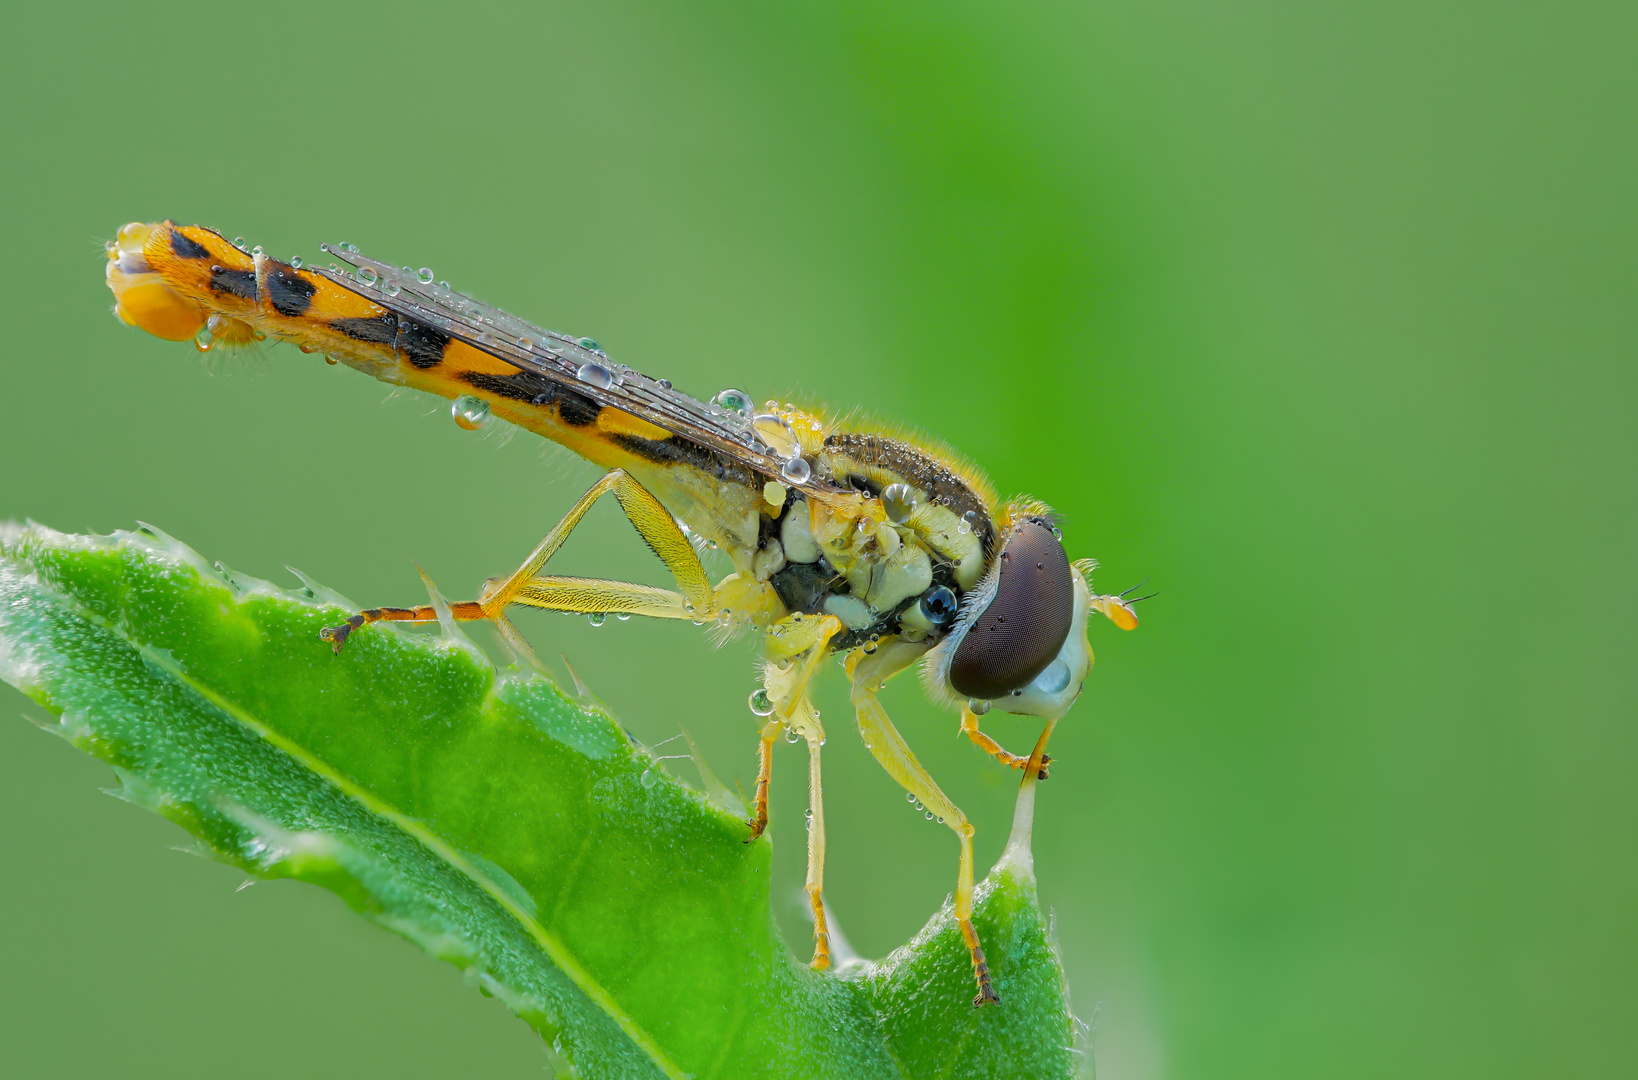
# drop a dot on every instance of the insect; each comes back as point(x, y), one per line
point(871, 545)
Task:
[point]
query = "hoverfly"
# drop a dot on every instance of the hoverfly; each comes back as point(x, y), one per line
point(843, 540)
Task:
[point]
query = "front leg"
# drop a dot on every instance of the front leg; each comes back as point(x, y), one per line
point(969, 728)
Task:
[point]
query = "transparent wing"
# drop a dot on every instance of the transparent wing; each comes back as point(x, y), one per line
point(584, 367)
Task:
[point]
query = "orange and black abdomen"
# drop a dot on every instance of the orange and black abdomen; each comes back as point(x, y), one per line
point(181, 281)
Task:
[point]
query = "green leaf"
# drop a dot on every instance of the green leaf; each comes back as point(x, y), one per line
point(500, 824)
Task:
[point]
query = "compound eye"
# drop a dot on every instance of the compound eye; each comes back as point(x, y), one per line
point(1014, 639)
point(939, 607)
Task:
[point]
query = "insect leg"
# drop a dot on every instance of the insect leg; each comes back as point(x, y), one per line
point(890, 750)
point(764, 774)
point(645, 513)
point(816, 842)
point(969, 728)
point(795, 646)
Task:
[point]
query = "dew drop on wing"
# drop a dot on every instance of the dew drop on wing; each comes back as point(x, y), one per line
point(588, 343)
point(424, 276)
point(735, 401)
point(595, 375)
point(796, 470)
point(597, 618)
point(392, 288)
point(295, 262)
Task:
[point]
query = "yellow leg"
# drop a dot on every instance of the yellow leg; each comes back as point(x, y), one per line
point(651, 520)
point(890, 750)
point(816, 849)
point(969, 728)
point(764, 773)
point(795, 647)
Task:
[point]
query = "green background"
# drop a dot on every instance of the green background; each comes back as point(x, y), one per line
point(1321, 318)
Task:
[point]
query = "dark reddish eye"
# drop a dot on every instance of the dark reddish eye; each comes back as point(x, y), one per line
point(1020, 632)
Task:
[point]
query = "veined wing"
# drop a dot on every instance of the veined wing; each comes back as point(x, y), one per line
point(576, 363)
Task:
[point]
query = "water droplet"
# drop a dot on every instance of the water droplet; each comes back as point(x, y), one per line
point(598, 618)
point(296, 262)
point(962, 529)
point(623, 615)
point(444, 285)
point(595, 375)
point(977, 706)
point(588, 343)
point(328, 359)
point(424, 276)
point(910, 796)
point(647, 779)
point(796, 470)
point(928, 815)
point(939, 606)
point(204, 340)
point(899, 502)
point(239, 242)
point(392, 288)
point(776, 432)
point(367, 275)
point(761, 703)
point(526, 343)
point(257, 250)
point(665, 384)
point(939, 820)
point(470, 413)
point(869, 647)
point(1054, 678)
point(735, 401)
point(349, 248)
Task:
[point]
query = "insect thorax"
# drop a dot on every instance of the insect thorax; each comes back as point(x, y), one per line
point(867, 559)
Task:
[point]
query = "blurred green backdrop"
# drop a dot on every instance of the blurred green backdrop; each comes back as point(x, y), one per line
point(1321, 318)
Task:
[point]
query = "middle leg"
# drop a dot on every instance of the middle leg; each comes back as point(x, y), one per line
point(894, 754)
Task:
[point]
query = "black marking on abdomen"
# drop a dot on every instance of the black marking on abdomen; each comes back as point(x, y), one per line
point(381, 330)
point(240, 283)
point(422, 344)
point(675, 451)
point(288, 291)
point(575, 409)
point(186, 247)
